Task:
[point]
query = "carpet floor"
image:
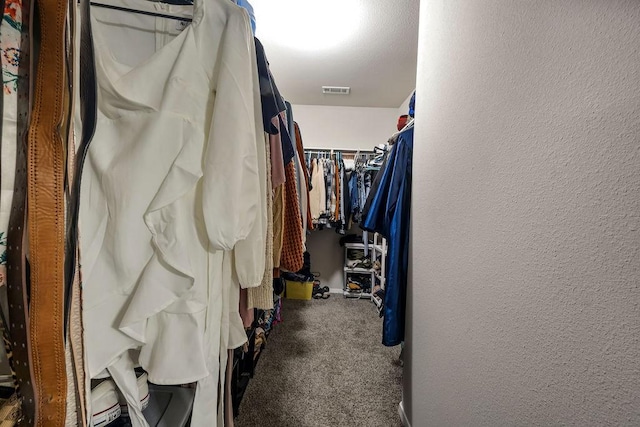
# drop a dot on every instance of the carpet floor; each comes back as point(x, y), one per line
point(325, 366)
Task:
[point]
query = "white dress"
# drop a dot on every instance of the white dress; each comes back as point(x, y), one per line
point(173, 199)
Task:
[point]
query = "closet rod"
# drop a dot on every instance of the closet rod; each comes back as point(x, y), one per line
point(141, 12)
point(350, 150)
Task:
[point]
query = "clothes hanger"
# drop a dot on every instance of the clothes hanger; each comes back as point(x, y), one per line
point(144, 12)
point(408, 126)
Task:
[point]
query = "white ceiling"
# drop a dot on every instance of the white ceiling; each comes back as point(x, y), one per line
point(376, 58)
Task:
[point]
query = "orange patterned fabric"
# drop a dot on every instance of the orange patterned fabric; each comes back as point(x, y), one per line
point(292, 247)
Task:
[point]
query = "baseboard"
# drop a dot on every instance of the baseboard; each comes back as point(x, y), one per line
point(403, 416)
point(336, 291)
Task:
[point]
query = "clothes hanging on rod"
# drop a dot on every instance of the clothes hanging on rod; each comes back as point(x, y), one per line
point(193, 214)
point(387, 211)
point(289, 219)
point(382, 160)
point(360, 181)
point(146, 12)
point(307, 222)
point(274, 110)
point(190, 160)
point(317, 194)
point(337, 192)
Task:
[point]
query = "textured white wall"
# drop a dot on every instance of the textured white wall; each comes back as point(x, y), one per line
point(526, 216)
point(345, 127)
point(327, 256)
point(404, 107)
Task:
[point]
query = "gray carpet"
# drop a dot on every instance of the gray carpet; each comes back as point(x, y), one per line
point(325, 366)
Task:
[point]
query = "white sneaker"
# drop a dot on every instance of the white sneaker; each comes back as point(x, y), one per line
point(104, 404)
point(143, 392)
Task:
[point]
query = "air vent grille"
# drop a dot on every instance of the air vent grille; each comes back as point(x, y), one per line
point(336, 90)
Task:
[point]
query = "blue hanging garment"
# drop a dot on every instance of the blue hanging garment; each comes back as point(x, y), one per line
point(247, 5)
point(412, 105)
point(389, 214)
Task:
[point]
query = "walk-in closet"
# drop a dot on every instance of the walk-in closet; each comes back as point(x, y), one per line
point(320, 213)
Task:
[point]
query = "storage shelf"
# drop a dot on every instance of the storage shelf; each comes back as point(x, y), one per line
point(354, 245)
point(377, 250)
point(356, 294)
point(358, 270)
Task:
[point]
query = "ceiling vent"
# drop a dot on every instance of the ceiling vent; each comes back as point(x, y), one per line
point(335, 90)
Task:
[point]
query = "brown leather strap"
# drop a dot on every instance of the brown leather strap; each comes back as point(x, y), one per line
point(8, 347)
point(17, 296)
point(17, 275)
point(46, 218)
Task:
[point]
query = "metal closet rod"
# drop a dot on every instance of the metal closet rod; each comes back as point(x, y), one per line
point(148, 13)
point(351, 150)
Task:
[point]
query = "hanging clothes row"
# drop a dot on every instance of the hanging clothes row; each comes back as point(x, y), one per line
point(288, 220)
point(364, 172)
point(327, 194)
point(340, 184)
point(163, 155)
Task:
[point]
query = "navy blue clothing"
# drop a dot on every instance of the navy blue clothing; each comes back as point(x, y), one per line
point(412, 105)
point(389, 214)
point(288, 141)
point(354, 206)
point(272, 104)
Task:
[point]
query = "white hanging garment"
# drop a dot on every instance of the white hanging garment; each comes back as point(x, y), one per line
point(173, 213)
point(317, 195)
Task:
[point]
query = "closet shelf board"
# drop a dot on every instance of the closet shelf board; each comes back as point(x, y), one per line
point(354, 245)
point(358, 270)
point(357, 295)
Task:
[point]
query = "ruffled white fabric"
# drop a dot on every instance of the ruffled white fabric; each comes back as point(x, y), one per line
point(173, 203)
